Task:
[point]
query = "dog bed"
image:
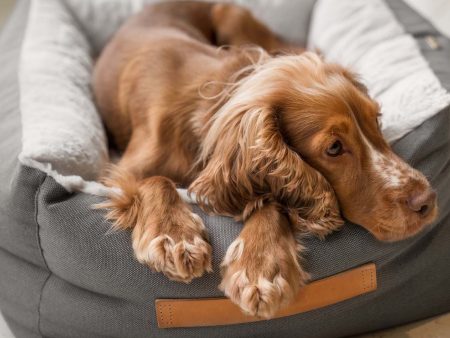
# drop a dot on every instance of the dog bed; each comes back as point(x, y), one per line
point(63, 273)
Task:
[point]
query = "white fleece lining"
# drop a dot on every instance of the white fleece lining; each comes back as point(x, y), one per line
point(62, 132)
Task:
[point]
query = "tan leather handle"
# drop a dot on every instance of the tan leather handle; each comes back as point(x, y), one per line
point(173, 313)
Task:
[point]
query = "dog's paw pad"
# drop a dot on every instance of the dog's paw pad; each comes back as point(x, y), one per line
point(259, 281)
point(180, 261)
point(262, 297)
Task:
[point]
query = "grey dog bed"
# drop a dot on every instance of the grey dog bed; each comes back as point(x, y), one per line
point(64, 274)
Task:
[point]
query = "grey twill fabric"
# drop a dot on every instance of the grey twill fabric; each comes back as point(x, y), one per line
point(64, 274)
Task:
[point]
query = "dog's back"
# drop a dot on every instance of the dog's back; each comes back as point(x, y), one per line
point(166, 53)
point(147, 56)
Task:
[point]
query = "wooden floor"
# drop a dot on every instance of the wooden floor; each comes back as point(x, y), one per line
point(437, 327)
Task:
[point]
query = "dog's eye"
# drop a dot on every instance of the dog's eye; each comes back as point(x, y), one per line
point(335, 149)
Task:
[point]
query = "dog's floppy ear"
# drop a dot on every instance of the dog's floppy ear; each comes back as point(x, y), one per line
point(245, 157)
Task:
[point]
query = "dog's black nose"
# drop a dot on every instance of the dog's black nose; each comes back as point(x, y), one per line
point(422, 202)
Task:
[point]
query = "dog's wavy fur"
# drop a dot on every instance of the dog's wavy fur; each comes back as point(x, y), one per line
point(249, 130)
point(247, 162)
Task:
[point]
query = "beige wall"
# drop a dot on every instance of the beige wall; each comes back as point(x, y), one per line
point(5, 8)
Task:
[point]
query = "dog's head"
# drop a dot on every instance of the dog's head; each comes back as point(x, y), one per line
point(301, 130)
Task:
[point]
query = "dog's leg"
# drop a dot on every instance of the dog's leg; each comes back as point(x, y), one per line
point(235, 25)
point(166, 234)
point(260, 271)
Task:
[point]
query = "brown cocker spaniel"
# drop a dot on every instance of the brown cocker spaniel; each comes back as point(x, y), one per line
point(257, 130)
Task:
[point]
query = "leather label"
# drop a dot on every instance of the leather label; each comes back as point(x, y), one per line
point(174, 313)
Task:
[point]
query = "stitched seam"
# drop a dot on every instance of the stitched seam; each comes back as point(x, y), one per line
point(38, 237)
point(367, 279)
point(372, 283)
point(38, 228)
point(165, 314)
point(364, 286)
point(39, 303)
point(170, 315)
point(159, 313)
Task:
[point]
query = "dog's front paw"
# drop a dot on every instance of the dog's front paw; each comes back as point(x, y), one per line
point(321, 227)
point(323, 218)
point(175, 247)
point(260, 282)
